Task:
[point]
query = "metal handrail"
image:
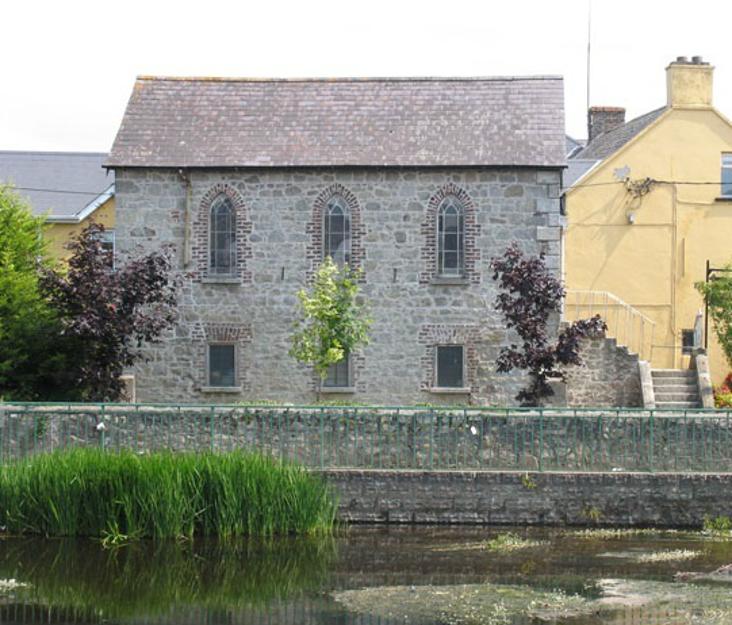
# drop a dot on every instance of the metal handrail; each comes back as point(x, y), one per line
point(628, 325)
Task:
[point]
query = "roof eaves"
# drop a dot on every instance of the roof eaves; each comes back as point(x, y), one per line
point(96, 203)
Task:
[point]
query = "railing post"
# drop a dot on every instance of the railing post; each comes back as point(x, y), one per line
point(541, 439)
point(322, 440)
point(650, 443)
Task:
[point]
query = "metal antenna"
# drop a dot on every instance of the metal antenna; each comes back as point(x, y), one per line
point(589, 38)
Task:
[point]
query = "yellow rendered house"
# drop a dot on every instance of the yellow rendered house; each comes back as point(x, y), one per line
point(648, 205)
point(68, 188)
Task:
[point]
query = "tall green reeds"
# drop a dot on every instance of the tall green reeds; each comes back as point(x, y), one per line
point(119, 496)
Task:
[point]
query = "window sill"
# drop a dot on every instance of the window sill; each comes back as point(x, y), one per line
point(449, 281)
point(337, 389)
point(221, 280)
point(450, 390)
point(221, 389)
point(724, 198)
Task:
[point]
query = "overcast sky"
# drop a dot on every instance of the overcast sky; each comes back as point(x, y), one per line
point(68, 67)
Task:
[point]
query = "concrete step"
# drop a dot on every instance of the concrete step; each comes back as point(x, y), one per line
point(673, 373)
point(676, 405)
point(676, 387)
point(663, 396)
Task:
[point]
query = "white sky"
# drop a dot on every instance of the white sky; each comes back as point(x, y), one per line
point(68, 66)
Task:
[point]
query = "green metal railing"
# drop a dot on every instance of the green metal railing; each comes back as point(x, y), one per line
point(412, 438)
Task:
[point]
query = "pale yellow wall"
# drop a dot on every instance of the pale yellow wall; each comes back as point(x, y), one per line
point(59, 234)
point(653, 263)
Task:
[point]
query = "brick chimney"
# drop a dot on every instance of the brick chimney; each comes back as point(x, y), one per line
point(601, 119)
point(689, 83)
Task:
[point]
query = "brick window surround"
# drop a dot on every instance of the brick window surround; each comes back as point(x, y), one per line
point(200, 237)
point(471, 274)
point(433, 335)
point(315, 227)
point(239, 335)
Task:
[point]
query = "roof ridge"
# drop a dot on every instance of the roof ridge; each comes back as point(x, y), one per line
point(54, 153)
point(354, 79)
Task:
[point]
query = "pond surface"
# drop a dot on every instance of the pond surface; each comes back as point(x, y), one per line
point(373, 576)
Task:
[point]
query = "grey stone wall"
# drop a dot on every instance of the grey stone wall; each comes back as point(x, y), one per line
point(276, 207)
point(608, 376)
point(512, 498)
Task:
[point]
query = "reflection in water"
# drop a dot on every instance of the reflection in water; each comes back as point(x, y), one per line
point(366, 576)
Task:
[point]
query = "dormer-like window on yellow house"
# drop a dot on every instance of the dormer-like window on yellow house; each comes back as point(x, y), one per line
point(727, 174)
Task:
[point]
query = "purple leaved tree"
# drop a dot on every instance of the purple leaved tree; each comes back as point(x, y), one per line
point(106, 315)
point(529, 295)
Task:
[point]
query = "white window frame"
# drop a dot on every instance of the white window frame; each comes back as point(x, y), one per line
point(450, 389)
point(439, 237)
point(233, 252)
point(726, 166)
point(346, 210)
point(222, 389)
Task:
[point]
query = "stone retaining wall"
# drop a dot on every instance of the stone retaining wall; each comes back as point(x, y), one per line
point(514, 498)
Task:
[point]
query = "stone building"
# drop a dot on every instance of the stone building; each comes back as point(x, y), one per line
point(418, 182)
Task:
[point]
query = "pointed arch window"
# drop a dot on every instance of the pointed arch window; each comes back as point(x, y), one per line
point(451, 237)
point(337, 231)
point(222, 243)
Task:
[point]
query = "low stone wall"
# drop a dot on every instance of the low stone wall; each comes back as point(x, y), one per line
point(608, 376)
point(514, 498)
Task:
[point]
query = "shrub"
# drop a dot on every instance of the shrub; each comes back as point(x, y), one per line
point(124, 496)
point(723, 393)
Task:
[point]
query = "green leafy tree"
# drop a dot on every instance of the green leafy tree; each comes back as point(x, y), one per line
point(333, 322)
point(28, 325)
point(718, 296)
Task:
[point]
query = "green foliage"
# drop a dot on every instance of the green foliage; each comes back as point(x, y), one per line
point(333, 323)
point(123, 496)
point(723, 393)
point(718, 296)
point(28, 326)
point(717, 525)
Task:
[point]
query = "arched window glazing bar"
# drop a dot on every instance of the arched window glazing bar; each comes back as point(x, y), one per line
point(222, 243)
point(450, 238)
point(337, 231)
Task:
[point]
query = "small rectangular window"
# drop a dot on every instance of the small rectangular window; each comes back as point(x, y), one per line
point(106, 238)
point(222, 365)
point(339, 375)
point(727, 175)
point(450, 366)
point(687, 341)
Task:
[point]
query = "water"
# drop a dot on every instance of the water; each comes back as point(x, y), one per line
point(370, 576)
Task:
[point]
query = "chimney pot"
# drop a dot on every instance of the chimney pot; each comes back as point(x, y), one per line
point(681, 59)
point(697, 60)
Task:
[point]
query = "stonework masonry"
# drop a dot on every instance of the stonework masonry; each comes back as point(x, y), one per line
point(503, 498)
point(278, 226)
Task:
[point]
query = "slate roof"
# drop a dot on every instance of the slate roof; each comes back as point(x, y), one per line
point(576, 168)
point(64, 183)
point(573, 145)
point(610, 142)
point(221, 122)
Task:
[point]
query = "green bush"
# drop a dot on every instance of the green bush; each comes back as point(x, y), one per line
point(124, 496)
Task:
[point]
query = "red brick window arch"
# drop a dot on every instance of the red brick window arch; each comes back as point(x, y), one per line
point(335, 228)
point(450, 228)
point(220, 239)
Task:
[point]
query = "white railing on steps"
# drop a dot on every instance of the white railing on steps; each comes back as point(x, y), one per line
point(627, 325)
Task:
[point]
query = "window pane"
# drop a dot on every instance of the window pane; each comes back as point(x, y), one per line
point(450, 366)
point(337, 232)
point(726, 160)
point(450, 237)
point(727, 179)
point(221, 367)
point(223, 237)
point(338, 374)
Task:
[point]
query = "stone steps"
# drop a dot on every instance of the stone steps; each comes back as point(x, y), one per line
point(675, 389)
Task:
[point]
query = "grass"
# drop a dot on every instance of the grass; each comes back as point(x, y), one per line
point(124, 496)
